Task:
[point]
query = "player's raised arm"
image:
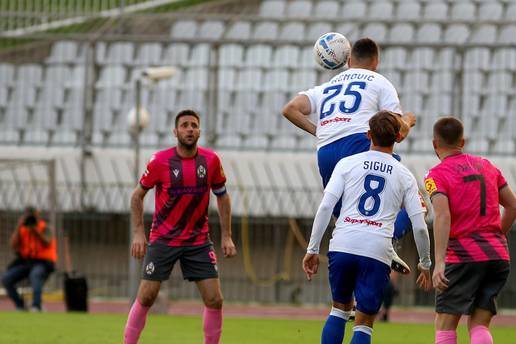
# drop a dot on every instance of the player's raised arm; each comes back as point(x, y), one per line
point(508, 202)
point(407, 121)
point(139, 243)
point(298, 112)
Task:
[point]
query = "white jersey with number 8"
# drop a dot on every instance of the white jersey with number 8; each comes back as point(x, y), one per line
point(373, 186)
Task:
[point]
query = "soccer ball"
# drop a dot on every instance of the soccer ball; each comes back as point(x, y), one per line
point(144, 119)
point(331, 50)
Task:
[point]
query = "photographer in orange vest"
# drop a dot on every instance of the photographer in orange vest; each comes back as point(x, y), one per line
point(36, 251)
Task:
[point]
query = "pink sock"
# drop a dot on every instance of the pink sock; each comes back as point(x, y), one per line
point(480, 335)
point(212, 325)
point(135, 323)
point(445, 337)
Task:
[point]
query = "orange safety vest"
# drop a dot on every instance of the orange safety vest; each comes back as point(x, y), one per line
point(31, 246)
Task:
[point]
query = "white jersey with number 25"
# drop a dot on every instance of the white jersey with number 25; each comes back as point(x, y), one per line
point(345, 104)
point(373, 186)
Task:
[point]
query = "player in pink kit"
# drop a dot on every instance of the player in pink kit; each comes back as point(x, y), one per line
point(182, 177)
point(471, 255)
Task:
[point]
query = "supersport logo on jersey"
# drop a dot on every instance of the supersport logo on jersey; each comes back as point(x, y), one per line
point(367, 222)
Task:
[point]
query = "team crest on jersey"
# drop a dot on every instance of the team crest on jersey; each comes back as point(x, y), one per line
point(430, 186)
point(149, 269)
point(201, 171)
point(176, 172)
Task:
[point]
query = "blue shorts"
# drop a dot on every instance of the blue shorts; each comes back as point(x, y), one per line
point(364, 277)
point(328, 156)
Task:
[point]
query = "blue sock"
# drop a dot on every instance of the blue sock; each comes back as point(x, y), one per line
point(333, 331)
point(361, 335)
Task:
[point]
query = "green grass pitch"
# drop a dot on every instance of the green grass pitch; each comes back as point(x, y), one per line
point(59, 328)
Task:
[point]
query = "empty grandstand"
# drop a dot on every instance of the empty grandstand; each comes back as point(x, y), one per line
point(65, 95)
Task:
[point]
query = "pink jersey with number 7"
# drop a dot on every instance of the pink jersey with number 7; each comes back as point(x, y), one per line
point(472, 185)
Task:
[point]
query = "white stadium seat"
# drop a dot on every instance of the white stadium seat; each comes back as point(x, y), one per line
point(299, 9)
point(272, 8)
point(326, 9)
point(239, 30)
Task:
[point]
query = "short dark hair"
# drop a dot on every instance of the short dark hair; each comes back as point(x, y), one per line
point(385, 127)
point(449, 130)
point(365, 49)
point(187, 112)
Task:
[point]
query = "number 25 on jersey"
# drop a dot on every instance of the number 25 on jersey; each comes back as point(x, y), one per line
point(328, 108)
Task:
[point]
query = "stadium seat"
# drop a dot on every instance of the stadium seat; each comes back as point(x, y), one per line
point(499, 82)
point(316, 30)
point(255, 141)
point(326, 9)
point(284, 142)
point(64, 52)
point(259, 55)
point(227, 79)
point(299, 9)
point(435, 11)
point(429, 33)
point(350, 30)
point(401, 33)
point(491, 10)
point(477, 59)
point(111, 76)
point(148, 54)
point(292, 32)
point(6, 74)
point(422, 58)
point(440, 104)
point(463, 10)
point(286, 56)
point(303, 79)
point(473, 81)
point(176, 54)
point(393, 58)
point(508, 34)
point(504, 59)
point(447, 59)
point(394, 76)
point(415, 81)
point(408, 10)
point(484, 34)
point(29, 75)
point(199, 56)
point(118, 53)
point(276, 80)
point(272, 8)
point(212, 29)
point(510, 12)
point(504, 147)
point(239, 30)
point(376, 31)
point(184, 29)
point(249, 79)
point(354, 10)
point(265, 30)
point(231, 55)
point(380, 10)
point(442, 82)
point(456, 33)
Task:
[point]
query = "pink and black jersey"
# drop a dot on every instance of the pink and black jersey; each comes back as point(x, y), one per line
point(472, 185)
point(182, 195)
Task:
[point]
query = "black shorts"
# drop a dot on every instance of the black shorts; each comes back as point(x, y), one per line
point(197, 262)
point(472, 285)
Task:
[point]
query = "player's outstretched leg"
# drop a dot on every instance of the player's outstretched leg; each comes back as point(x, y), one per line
point(335, 326)
point(138, 314)
point(212, 316)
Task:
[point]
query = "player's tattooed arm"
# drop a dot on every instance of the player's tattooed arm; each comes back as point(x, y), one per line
point(224, 207)
point(298, 112)
point(139, 244)
point(508, 202)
